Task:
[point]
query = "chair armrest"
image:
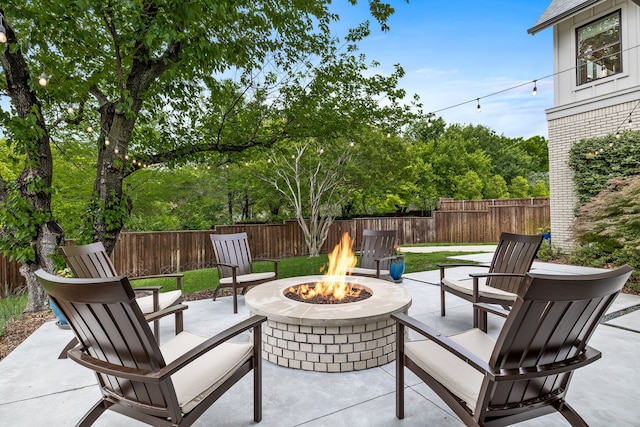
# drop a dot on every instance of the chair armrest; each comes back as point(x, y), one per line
point(177, 276)
point(214, 341)
point(147, 288)
point(496, 275)
point(443, 341)
point(234, 266)
point(491, 308)
point(463, 265)
point(157, 376)
point(155, 291)
point(274, 261)
point(165, 312)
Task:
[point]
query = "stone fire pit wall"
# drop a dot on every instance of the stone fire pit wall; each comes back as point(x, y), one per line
point(330, 348)
point(329, 337)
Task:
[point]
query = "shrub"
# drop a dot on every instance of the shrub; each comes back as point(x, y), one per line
point(549, 251)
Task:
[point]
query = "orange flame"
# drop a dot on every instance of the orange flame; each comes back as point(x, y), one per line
point(334, 283)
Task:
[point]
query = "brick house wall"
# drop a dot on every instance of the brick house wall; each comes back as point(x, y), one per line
point(563, 132)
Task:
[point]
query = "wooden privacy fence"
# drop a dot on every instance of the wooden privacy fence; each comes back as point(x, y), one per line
point(138, 254)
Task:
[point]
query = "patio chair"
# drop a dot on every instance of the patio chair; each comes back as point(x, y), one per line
point(375, 254)
point(235, 265)
point(512, 259)
point(162, 386)
point(91, 261)
point(525, 372)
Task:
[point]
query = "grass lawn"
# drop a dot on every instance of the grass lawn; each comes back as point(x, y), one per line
point(11, 308)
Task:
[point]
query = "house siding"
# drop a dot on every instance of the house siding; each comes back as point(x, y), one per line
point(589, 110)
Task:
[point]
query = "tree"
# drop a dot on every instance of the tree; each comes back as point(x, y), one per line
point(519, 187)
point(124, 65)
point(469, 187)
point(496, 188)
point(312, 175)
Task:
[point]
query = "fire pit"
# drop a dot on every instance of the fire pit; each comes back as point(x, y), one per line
point(330, 323)
point(328, 337)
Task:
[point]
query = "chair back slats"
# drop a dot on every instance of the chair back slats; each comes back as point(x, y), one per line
point(111, 327)
point(376, 244)
point(551, 321)
point(515, 254)
point(232, 249)
point(88, 261)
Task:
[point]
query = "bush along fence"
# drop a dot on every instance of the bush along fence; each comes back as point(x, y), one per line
point(455, 221)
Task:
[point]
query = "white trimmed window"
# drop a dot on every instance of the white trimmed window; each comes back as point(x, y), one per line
point(599, 48)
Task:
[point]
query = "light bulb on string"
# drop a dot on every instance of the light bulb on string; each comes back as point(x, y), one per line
point(618, 135)
point(429, 123)
point(3, 31)
point(115, 150)
point(534, 92)
point(90, 129)
point(321, 150)
point(43, 80)
point(630, 122)
point(106, 141)
point(478, 109)
point(126, 157)
point(352, 144)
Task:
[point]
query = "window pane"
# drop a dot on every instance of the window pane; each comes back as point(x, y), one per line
point(599, 48)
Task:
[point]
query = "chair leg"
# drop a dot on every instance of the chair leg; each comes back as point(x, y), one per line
point(156, 330)
point(215, 293)
point(570, 414)
point(179, 322)
point(442, 310)
point(235, 299)
point(94, 413)
point(257, 373)
point(399, 371)
point(69, 346)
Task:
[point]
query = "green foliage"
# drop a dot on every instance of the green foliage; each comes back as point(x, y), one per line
point(20, 222)
point(12, 306)
point(469, 187)
point(549, 251)
point(519, 187)
point(496, 188)
point(595, 160)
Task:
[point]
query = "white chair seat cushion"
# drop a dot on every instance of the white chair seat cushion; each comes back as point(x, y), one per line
point(251, 277)
point(466, 286)
point(359, 271)
point(204, 375)
point(457, 376)
point(165, 299)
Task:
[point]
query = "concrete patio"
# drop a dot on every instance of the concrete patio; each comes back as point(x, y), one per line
point(38, 389)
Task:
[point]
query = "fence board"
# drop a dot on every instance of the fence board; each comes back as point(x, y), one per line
point(138, 254)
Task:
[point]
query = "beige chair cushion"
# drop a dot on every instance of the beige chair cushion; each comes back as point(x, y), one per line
point(466, 286)
point(204, 375)
point(165, 299)
point(460, 378)
point(251, 277)
point(359, 271)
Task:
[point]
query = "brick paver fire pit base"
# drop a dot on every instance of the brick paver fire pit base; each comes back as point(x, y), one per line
point(329, 337)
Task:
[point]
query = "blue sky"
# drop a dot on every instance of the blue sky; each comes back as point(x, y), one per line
point(457, 51)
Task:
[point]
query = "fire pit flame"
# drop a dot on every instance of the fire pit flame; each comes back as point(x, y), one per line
point(334, 283)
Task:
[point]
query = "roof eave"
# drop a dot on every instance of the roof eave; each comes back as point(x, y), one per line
point(561, 17)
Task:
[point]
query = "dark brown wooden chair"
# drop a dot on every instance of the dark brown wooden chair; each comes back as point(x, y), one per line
point(375, 254)
point(91, 262)
point(235, 265)
point(525, 372)
point(162, 386)
point(512, 259)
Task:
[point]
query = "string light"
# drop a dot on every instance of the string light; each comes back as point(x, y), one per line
point(126, 157)
point(478, 109)
point(535, 90)
point(106, 141)
point(115, 150)
point(3, 31)
point(90, 129)
point(70, 109)
point(618, 135)
point(352, 144)
point(43, 80)
point(429, 123)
